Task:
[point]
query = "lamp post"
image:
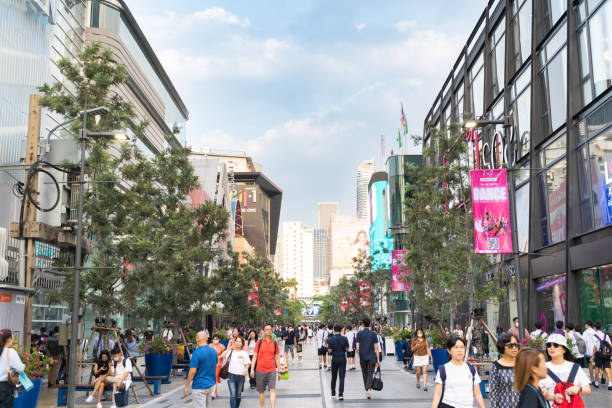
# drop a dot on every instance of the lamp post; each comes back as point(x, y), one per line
point(83, 136)
point(508, 124)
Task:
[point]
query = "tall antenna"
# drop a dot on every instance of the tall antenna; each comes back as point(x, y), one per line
point(382, 151)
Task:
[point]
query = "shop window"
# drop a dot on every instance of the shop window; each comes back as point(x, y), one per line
point(552, 193)
point(594, 21)
point(552, 77)
point(477, 87)
point(550, 300)
point(595, 290)
point(595, 180)
point(520, 103)
point(496, 60)
point(521, 32)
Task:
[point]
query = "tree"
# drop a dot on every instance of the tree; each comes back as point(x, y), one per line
point(444, 270)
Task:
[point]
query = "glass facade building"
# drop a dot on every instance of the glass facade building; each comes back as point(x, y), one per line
point(545, 64)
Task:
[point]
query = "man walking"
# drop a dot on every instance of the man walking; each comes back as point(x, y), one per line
point(350, 336)
point(202, 371)
point(367, 347)
point(338, 346)
point(289, 339)
point(266, 360)
point(321, 350)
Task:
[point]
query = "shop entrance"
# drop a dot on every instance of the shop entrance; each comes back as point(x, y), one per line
point(595, 285)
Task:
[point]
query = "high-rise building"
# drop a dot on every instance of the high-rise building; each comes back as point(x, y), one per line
point(364, 173)
point(297, 244)
point(326, 214)
point(321, 253)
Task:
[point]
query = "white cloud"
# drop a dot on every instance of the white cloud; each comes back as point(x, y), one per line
point(360, 26)
point(219, 15)
point(403, 26)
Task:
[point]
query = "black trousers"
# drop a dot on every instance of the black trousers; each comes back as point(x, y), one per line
point(338, 366)
point(367, 370)
point(6, 395)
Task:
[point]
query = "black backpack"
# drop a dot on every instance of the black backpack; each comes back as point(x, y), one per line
point(605, 350)
point(442, 370)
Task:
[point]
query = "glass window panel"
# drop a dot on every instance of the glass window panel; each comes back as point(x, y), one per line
point(544, 231)
point(555, 187)
point(584, 183)
point(593, 4)
point(580, 13)
point(497, 65)
point(522, 118)
point(557, 82)
point(585, 67)
point(477, 96)
point(556, 42)
point(459, 103)
point(600, 27)
point(599, 119)
point(600, 168)
point(581, 131)
point(556, 8)
point(522, 34)
point(555, 150)
point(522, 215)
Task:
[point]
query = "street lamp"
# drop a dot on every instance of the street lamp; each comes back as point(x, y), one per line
point(508, 123)
point(83, 136)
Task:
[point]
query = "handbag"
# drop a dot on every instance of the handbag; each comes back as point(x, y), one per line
point(13, 377)
point(299, 347)
point(122, 396)
point(224, 372)
point(377, 383)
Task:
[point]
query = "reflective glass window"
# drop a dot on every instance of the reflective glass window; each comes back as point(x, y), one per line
point(594, 34)
point(477, 87)
point(459, 103)
point(522, 215)
point(554, 9)
point(553, 81)
point(521, 31)
point(498, 49)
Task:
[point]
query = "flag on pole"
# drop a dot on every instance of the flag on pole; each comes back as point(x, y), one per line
point(404, 123)
point(399, 138)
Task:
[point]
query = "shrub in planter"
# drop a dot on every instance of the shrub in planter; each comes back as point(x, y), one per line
point(37, 365)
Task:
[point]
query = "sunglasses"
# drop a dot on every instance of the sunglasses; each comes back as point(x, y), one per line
point(552, 345)
point(513, 345)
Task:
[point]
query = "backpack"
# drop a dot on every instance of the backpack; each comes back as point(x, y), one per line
point(560, 387)
point(605, 350)
point(258, 346)
point(580, 343)
point(53, 348)
point(442, 370)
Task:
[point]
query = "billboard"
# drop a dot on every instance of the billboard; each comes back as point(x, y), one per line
point(348, 236)
point(400, 271)
point(381, 242)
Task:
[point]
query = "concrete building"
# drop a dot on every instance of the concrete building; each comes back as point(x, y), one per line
point(326, 213)
point(298, 257)
point(547, 66)
point(321, 253)
point(364, 172)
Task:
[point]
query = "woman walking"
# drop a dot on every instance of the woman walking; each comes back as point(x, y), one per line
point(251, 343)
point(422, 356)
point(9, 363)
point(301, 342)
point(219, 348)
point(457, 382)
point(562, 368)
point(238, 368)
point(501, 378)
point(530, 368)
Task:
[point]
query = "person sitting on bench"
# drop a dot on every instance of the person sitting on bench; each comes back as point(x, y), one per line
point(102, 370)
point(121, 376)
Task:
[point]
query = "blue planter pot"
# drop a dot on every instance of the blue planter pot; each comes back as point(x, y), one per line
point(440, 357)
point(398, 350)
point(28, 399)
point(159, 365)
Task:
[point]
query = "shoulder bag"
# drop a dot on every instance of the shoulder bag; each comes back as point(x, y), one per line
point(377, 383)
point(13, 377)
point(224, 372)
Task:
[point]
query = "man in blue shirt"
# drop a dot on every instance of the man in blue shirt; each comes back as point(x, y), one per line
point(202, 370)
point(338, 346)
point(367, 347)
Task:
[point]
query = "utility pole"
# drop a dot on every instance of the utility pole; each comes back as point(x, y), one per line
point(29, 211)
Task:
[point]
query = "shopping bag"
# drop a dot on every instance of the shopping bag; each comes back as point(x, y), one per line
point(285, 375)
point(25, 382)
point(299, 347)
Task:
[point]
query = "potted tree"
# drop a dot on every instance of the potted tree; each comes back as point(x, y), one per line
point(158, 358)
point(36, 367)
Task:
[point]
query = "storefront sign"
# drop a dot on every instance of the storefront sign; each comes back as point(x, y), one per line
point(491, 211)
point(47, 8)
point(550, 283)
point(400, 271)
point(495, 152)
point(6, 298)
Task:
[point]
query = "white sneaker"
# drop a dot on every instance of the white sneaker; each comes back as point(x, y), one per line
point(99, 405)
point(89, 399)
point(113, 406)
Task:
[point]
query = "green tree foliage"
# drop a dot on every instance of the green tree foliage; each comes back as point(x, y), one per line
point(444, 270)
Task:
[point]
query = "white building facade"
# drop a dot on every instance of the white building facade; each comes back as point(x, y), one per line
point(364, 172)
point(297, 263)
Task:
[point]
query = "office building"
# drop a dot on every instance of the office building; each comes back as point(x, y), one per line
point(546, 65)
point(326, 213)
point(364, 172)
point(321, 253)
point(298, 257)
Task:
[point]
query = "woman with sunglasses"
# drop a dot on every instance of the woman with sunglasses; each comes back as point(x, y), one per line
point(530, 369)
point(561, 363)
point(501, 378)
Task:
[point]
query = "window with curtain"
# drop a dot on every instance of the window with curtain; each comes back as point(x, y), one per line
point(552, 77)
point(551, 189)
point(594, 22)
point(476, 86)
point(520, 105)
point(496, 60)
point(521, 32)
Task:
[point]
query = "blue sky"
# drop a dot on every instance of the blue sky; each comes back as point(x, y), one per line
point(307, 87)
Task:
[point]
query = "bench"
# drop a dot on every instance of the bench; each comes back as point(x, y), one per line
point(62, 391)
point(151, 379)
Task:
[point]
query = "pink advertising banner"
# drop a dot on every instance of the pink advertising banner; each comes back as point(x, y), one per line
point(491, 211)
point(400, 271)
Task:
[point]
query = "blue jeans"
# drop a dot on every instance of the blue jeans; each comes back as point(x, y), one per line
point(235, 384)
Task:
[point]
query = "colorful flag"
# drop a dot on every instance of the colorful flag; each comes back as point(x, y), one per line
point(404, 123)
point(399, 138)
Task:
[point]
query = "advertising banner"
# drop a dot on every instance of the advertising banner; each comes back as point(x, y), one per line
point(277, 310)
point(400, 271)
point(491, 211)
point(343, 304)
point(253, 298)
point(364, 293)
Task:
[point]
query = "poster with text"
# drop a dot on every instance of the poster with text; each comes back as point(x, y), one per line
point(491, 211)
point(400, 271)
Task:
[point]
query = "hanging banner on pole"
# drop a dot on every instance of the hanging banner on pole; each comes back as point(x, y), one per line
point(352, 300)
point(491, 212)
point(277, 310)
point(343, 304)
point(364, 293)
point(253, 298)
point(400, 271)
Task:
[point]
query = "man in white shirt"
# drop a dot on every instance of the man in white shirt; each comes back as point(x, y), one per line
point(587, 335)
point(122, 376)
point(320, 338)
point(575, 337)
point(458, 332)
point(538, 332)
point(350, 336)
point(602, 364)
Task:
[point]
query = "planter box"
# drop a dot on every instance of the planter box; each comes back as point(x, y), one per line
point(159, 365)
point(398, 350)
point(440, 357)
point(28, 399)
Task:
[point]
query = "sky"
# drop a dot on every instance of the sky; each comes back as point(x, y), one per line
point(307, 87)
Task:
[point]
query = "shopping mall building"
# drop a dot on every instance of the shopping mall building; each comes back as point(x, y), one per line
point(548, 65)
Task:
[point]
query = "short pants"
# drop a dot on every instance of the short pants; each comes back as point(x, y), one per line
point(602, 363)
point(322, 351)
point(289, 348)
point(265, 379)
point(350, 354)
